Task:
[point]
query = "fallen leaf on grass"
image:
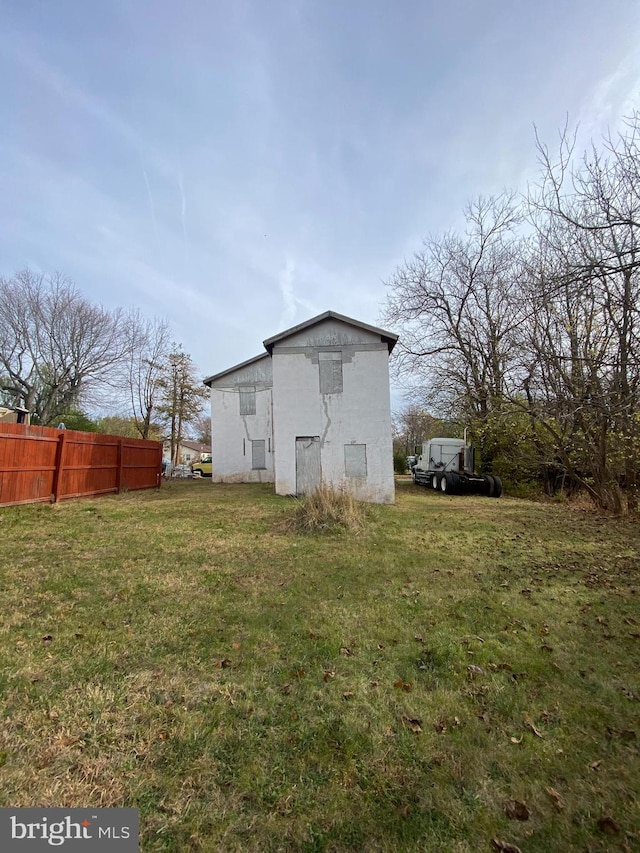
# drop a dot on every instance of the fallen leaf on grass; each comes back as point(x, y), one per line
point(595, 765)
point(516, 810)
point(473, 670)
point(505, 846)
point(556, 797)
point(608, 825)
point(47, 639)
point(348, 695)
point(328, 674)
point(516, 739)
point(403, 685)
point(286, 689)
point(536, 731)
point(225, 663)
point(345, 651)
point(412, 723)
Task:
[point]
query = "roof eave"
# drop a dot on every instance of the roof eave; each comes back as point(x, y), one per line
point(388, 337)
point(222, 373)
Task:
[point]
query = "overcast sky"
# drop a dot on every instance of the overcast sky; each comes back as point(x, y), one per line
point(238, 167)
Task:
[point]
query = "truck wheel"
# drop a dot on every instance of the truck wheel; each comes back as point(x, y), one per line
point(446, 484)
point(435, 482)
point(491, 484)
point(498, 487)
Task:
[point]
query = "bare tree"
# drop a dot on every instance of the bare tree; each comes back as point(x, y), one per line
point(585, 344)
point(457, 304)
point(148, 354)
point(202, 426)
point(55, 346)
point(413, 425)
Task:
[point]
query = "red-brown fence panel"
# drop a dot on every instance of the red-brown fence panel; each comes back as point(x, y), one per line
point(45, 464)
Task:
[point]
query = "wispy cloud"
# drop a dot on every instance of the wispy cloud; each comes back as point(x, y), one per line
point(152, 209)
point(285, 284)
point(183, 218)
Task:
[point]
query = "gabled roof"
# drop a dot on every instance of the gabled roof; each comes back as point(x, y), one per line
point(388, 337)
point(249, 361)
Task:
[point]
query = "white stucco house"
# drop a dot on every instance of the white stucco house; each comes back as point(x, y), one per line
point(313, 409)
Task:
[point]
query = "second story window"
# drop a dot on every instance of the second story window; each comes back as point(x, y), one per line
point(330, 372)
point(248, 400)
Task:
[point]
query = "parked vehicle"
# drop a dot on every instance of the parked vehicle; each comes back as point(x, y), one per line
point(181, 471)
point(203, 468)
point(448, 465)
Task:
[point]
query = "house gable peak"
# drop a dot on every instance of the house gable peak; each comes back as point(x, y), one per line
point(387, 337)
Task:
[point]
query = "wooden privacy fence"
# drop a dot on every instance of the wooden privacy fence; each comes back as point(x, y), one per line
point(45, 464)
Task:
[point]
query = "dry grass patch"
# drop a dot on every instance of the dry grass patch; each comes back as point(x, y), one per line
point(328, 510)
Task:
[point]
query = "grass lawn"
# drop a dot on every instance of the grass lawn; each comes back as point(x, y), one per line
point(462, 673)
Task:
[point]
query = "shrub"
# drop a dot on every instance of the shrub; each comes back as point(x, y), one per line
point(399, 462)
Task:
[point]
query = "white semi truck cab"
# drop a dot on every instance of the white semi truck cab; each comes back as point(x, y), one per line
point(448, 465)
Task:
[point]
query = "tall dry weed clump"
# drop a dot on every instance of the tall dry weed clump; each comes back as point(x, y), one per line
point(328, 510)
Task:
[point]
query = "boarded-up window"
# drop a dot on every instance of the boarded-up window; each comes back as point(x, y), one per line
point(330, 372)
point(258, 459)
point(248, 400)
point(355, 460)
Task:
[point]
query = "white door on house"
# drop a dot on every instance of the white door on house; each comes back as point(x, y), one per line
point(308, 474)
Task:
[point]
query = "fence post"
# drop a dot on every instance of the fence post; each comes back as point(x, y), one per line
point(57, 474)
point(120, 465)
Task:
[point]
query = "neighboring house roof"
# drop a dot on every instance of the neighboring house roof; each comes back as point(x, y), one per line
point(197, 446)
point(388, 337)
point(249, 361)
point(8, 413)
